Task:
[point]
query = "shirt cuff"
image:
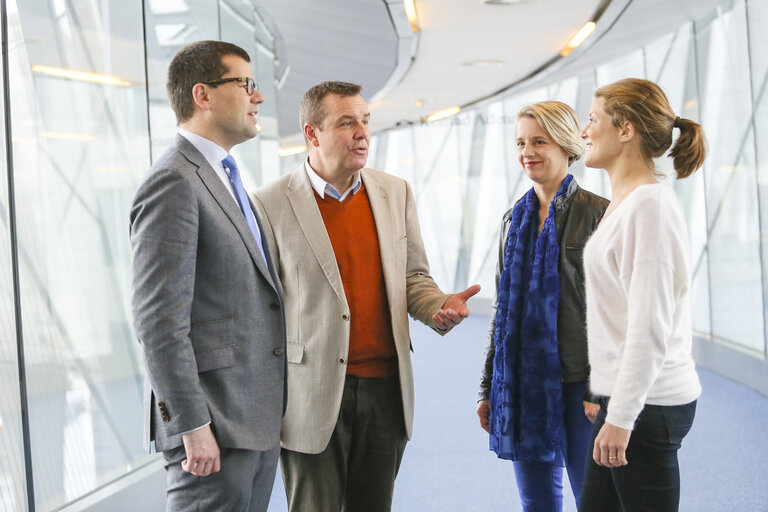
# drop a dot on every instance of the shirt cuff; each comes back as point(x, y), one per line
point(196, 429)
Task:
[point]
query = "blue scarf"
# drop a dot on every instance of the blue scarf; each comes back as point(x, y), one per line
point(526, 403)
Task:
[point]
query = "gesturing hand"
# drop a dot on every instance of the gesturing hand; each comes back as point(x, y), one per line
point(202, 452)
point(455, 309)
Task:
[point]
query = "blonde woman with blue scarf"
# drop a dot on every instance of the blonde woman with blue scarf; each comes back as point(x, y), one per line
point(534, 382)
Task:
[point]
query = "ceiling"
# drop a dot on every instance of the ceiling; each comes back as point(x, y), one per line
point(407, 76)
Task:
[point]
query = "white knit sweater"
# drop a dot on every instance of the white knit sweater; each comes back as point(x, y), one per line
point(638, 306)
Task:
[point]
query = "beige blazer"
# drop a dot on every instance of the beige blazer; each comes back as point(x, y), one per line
point(316, 309)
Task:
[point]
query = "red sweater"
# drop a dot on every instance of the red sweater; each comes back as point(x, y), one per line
point(352, 230)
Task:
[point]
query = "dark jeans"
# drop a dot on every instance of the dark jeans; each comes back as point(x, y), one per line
point(650, 482)
point(357, 470)
point(540, 483)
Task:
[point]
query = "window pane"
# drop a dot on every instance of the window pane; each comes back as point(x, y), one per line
point(166, 35)
point(12, 471)
point(730, 173)
point(758, 42)
point(79, 118)
point(671, 62)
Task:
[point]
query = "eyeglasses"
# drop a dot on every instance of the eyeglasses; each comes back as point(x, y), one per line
point(247, 83)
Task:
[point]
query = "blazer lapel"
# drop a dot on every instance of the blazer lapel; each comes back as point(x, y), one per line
point(228, 205)
point(381, 207)
point(302, 198)
point(270, 264)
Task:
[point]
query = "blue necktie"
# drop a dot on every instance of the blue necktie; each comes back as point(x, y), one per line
point(242, 200)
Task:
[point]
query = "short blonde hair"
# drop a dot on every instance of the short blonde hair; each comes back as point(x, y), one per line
point(561, 124)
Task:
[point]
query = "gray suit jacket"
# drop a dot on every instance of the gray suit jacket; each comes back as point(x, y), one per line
point(317, 313)
point(207, 310)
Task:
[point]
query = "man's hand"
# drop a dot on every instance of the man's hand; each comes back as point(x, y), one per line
point(202, 452)
point(591, 410)
point(611, 446)
point(455, 309)
point(484, 413)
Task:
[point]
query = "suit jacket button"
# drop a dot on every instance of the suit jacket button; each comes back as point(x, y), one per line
point(278, 351)
point(161, 404)
point(342, 360)
point(274, 306)
point(166, 418)
point(345, 317)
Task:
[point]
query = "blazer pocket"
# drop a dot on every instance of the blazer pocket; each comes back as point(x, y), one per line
point(215, 358)
point(211, 333)
point(401, 246)
point(294, 352)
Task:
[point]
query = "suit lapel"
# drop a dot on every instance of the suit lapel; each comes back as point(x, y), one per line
point(381, 207)
point(228, 205)
point(302, 198)
point(270, 264)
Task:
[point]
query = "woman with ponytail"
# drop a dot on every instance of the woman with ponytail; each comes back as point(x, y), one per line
point(532, 394)
point(638, 302)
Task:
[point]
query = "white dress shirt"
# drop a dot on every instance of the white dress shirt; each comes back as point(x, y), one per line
point(213, 154)
point(322, 187)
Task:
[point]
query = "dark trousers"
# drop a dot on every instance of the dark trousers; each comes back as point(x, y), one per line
point(541, 484)
point(244, 483)
point(650, 482)
point(357, 470)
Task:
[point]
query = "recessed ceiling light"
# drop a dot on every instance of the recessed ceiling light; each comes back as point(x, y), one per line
point(67, 136)
point(509, 2)
point(442, 114)
point(85, 76)
point(291, 150)
point(410, 12)
point(583, 33)
point(483, 62)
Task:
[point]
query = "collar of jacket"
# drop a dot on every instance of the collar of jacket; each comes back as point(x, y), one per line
point(561, 201)
point(560, 204)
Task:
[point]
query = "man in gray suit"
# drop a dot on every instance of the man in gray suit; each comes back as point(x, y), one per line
point(207, 305)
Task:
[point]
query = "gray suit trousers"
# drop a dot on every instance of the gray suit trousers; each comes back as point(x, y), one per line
point(244, 483)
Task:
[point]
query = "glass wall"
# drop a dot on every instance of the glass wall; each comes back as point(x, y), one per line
point(757, 20)
point(13, 494)
point(89, 114)
point(733, 222)
point(78, 140)
point(715, 71)
point(82, 111)
point(171, 25)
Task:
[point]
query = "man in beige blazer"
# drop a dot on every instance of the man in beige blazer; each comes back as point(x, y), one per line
point(353, 266)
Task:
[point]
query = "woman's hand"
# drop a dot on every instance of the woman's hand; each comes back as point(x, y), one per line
point(611, 446)
point(484, 413)
point(590, 411)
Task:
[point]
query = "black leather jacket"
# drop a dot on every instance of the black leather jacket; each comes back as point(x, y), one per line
point(577, 213)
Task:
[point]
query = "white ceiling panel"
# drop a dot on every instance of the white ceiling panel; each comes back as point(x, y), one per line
point(465, 50)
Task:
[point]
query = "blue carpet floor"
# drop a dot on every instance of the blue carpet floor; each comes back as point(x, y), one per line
point(447, 465)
